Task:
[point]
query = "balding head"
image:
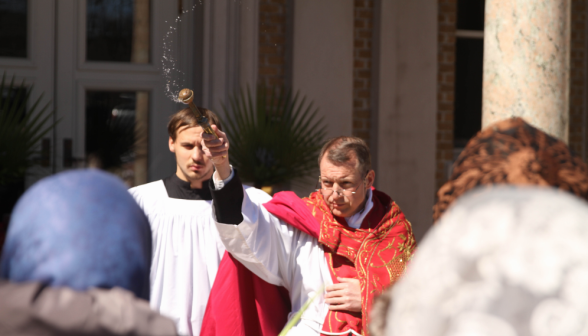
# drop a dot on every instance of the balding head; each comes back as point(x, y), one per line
point(344, 148)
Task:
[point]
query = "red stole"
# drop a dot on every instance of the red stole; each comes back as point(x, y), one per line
point(376, 253)
point(241, 303)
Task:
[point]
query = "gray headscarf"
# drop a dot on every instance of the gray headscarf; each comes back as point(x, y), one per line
point(503, 261)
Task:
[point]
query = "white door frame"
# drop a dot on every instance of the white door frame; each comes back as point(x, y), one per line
point(56, 65)
point(75, 76)
point(38, 67)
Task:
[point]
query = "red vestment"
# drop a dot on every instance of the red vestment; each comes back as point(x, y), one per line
point(243, 304)
point(376, 254)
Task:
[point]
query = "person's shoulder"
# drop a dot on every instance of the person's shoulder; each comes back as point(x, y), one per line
point(148, 189)
point(44, 306)
point(144, 320)
point(257, 195)
point(147, 186)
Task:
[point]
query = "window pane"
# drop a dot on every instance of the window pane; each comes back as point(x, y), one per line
point(15, 96)
point(470, 14)
point(13, 189)
point(117, 31)
point(468, 89)
point(116, 133)
point(13, 28)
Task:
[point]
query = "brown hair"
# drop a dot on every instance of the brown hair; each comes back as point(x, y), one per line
point(513, 152)
point(185, 117)
point(338, 150)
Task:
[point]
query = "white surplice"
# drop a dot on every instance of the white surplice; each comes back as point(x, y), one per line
point(284, 256)
point(187, 252)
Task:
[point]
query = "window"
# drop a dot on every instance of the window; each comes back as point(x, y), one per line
point(469, 51)
point(117, 31)
point(11, 191)
point(116, 133)
point(13, 28)
point(470, 15)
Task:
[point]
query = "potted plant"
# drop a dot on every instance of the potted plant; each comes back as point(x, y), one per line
point(275, 136)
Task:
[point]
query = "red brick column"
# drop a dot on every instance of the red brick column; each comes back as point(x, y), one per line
point(363, 13)
point(578, 118)
point(445, 88)
point(272, 42)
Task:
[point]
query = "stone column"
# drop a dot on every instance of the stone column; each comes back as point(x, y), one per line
point(526, 63)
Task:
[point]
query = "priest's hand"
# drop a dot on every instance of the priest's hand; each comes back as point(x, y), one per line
point(345, 295)
point(217, 150)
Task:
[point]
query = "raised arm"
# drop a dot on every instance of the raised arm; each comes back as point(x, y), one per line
point(259, 240)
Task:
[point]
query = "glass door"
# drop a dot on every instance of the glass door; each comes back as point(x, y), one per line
point(111, 97)
point(27, 56)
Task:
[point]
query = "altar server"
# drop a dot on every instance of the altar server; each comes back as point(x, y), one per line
point(187, 249)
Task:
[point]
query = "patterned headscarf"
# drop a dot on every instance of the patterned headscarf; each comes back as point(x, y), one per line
point(79, 229)
point(513, 152)
point(504, 260)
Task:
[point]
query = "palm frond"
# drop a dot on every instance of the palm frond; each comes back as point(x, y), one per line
point(21, 128)
point(275, 136)
point(298, 315)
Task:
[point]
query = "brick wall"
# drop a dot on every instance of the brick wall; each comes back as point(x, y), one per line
point(577, 131)
point(273, 63)
point(445, 88)
point(272, 42)
point(363, 13)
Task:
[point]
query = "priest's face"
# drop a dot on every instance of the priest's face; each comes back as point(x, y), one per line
point(344, 187)
point(193, 165)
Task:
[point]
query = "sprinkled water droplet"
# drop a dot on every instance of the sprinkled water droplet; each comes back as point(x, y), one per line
point(175, 79)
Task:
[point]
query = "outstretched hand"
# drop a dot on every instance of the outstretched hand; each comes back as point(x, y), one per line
point(218, 151)
point(345, 295)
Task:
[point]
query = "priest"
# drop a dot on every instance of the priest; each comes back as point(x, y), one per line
point(187, 249)
point(345, 234)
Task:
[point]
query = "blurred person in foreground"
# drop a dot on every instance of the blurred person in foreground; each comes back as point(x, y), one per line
point(76, 261)
point(513, 152)
point(347, 235)
point(509, 152)
point(187, 248)
point(503, 260)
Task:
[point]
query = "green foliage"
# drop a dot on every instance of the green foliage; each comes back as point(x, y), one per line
point(113, 141)
point(20, 130)
point(299, 313)
point(275, 138)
